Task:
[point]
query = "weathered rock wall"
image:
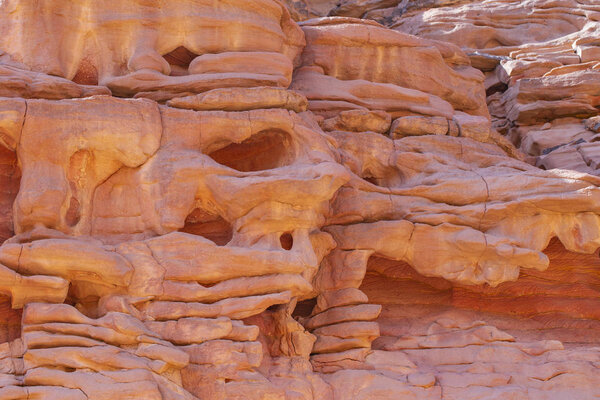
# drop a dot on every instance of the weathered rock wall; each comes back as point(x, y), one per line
point(210, 200)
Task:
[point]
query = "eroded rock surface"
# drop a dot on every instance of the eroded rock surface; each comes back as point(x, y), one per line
point(541, 62)
point(212, 200)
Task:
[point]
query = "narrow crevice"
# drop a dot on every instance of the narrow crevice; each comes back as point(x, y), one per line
point(487, 188)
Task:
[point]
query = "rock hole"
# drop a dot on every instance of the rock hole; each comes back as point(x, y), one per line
point(265, 150)
point(87, 73)
point(210, 226)
point(10, 320)
point(304, 308)
point(274, 307)
point(372, 180)
point(10, 179)
point(499, 87)
point(287, 241)
point(180, 60)
point(73, 213)
point(383, 176)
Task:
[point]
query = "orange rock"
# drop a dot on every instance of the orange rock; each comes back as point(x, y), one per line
point(274, 210)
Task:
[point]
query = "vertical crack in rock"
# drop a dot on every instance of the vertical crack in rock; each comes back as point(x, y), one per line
point(487, 189)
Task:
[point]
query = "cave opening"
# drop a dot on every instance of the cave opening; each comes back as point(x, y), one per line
point(266, 150)
point(304, 308)
point(210, 226)
point(286, 240)
point(540, 305)
point(179, 60)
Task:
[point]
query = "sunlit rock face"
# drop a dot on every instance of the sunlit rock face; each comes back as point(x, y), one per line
point(228, 200)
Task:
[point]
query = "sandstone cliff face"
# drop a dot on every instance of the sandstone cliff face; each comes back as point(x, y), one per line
point(237, 200)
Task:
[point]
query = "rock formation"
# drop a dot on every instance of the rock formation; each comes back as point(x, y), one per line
point(299, 200)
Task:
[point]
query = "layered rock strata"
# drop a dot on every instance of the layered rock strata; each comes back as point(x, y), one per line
point(208, 200)
point(541, 61)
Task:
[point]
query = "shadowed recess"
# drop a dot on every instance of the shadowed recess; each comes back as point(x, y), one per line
point(10, 321)
point(560, 303)
point(87, 74)
point(304, 308)
point(212, 227)
point(266, 150)
point(287, 241)
point(180, 60)
point(10, 177)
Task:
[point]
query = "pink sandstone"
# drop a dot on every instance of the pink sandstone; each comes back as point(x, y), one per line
point(299, 200)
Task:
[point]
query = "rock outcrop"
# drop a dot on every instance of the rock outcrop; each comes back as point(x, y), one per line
point(541, 61)
point(237, 200)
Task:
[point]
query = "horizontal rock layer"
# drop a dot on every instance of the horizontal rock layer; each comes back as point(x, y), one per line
point(236, 200)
